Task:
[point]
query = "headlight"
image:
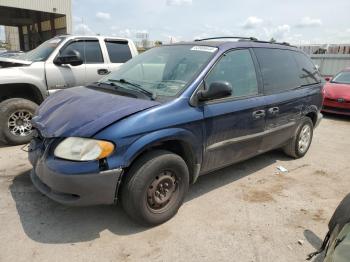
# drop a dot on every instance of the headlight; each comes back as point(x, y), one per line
point(83, 149)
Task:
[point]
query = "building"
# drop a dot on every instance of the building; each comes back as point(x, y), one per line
point(28, 23)
point(330, 58)
point(326, 49)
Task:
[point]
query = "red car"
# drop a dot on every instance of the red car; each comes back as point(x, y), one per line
point(337, 94)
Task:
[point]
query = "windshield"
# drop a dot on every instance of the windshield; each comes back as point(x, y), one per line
point(163, 71)
point(342, 78)
point(42, 52)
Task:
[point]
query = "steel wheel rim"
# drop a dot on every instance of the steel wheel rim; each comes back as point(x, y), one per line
point(162, 192)
point(19, 123)
point(304, 139)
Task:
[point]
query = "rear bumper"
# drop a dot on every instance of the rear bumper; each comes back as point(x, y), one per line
point(77, 190)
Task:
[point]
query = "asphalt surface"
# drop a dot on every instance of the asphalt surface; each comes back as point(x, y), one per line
point(246, 212)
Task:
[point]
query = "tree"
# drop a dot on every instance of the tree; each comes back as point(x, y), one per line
point(158, 43)
point(273, 40)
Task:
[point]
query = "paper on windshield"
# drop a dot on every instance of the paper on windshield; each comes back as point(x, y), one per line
point(204, 49)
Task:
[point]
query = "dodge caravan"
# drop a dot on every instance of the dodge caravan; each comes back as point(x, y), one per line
point(142, 134)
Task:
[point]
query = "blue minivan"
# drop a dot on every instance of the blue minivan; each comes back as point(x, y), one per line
point(144, 133)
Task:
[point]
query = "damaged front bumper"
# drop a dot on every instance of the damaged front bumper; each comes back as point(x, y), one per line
point(80, 189)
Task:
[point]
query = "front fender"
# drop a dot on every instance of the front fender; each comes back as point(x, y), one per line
point(33, 75)
point(178, 134)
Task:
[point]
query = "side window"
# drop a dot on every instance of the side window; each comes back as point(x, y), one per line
point(119, 51)
point(237, 68)
point(279, 69)
point(308, 73)
point(90, 51)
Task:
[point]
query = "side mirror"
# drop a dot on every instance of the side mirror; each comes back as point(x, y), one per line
point(216, 90)
point(72, 58)
point(328, 78)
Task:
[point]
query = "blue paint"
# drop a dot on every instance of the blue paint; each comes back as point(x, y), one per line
point(136, 124)
point(81, 111)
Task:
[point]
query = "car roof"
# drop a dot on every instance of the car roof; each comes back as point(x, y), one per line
point(240, 43)
point(94, 36)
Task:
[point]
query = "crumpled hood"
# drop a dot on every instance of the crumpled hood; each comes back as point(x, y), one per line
point(82, 112)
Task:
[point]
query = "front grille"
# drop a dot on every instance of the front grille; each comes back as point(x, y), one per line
point(336, 100)
point(39, 141)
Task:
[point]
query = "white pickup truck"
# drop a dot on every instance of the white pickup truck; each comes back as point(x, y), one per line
point(61, 62)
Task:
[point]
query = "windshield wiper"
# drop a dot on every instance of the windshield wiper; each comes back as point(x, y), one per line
point(135, 87)
point(105, 83)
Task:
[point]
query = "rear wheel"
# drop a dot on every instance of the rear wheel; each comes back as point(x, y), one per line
point(300, 143)
point(155, 187)
point(15, 120)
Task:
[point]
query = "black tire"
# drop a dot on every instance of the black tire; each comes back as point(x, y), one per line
point(9, 107)
point(135, 191)
point(292, 148)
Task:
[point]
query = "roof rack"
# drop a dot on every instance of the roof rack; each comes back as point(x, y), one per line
point(277, 43)
point(244, 39)
point(227, 37)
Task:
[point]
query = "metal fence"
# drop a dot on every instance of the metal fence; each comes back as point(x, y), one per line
point(330, 64)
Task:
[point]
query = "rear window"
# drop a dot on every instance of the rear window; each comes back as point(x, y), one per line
point(308, 73)
point(119, 51)
point(279, 70)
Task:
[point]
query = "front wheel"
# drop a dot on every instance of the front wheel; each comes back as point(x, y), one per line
point(300, 143)
point(15, 120)
point(155, 187)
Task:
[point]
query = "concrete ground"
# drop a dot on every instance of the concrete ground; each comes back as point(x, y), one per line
point(246, 212)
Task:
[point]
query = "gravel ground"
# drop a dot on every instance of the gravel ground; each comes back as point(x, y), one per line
point(247, 212)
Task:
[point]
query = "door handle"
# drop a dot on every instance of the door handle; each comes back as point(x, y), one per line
point(259, 114)
point(274, 110)
point(103, 71)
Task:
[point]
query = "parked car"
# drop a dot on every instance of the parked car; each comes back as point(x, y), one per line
point(337, 94)
point(62, 62)
point(11, 53)
point(142, 134)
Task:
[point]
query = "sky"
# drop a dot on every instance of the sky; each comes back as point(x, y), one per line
point(297, 21)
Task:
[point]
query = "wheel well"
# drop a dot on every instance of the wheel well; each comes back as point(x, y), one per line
point(177, 147)
point(313, 117)
point(20, 90)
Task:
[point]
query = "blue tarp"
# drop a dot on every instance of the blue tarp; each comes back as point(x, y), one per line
point(82, 112)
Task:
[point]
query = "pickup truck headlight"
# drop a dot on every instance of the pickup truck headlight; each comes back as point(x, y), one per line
point(83, 149)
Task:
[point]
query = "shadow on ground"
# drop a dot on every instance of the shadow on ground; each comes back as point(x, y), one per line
point(46, 221)
point(315, 242)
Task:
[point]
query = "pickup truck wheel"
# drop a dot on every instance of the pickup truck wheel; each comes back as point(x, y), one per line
point(15, 120)
point(300, 143)
point(155, 187)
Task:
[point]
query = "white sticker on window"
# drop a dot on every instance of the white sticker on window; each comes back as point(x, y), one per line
point(204, 48)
